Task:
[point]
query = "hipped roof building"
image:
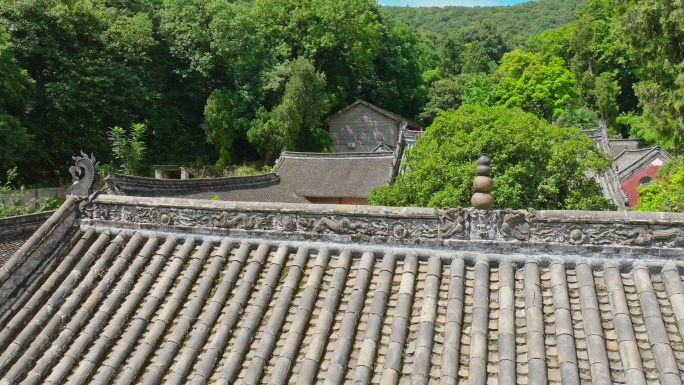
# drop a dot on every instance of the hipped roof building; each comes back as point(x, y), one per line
point(125, 289)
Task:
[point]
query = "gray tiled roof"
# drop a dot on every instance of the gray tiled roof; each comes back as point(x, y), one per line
point(349, 175)
point(629, 162)
point(138, 299)
point(608, 180)
point(618, 146)
point(257, 188)
point(14, 231)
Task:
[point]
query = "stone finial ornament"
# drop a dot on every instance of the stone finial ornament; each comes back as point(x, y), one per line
point(482, 198)
point(84, 175)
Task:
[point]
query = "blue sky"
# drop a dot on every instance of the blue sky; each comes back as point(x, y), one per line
point(444, 3)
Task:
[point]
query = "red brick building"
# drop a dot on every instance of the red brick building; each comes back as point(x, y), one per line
point(638, 167)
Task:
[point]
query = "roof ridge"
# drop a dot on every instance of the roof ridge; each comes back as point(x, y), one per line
point(345, 155)
point(266, 177)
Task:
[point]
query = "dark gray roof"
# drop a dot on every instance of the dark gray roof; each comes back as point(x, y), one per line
point(618, 146)
point(14, 231)
point(257, 188)
point(349, 175)
point(629, 162)
point(149, 290)
point(608, 180)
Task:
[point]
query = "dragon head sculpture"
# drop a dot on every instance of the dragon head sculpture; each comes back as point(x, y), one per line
point(84, 175)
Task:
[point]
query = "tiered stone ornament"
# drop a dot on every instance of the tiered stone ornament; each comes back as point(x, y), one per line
point(482, 198)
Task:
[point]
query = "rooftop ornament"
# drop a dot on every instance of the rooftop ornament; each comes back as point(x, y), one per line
point(482, 198)
point(84, 175)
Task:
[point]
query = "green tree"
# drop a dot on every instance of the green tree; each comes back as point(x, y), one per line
point(394, 81)
point(652, 32)
point(265, 134)
point(516, 22)
point(667, 193)
point(443, 94)
point(341, 38)
point(15, 93)
point(479, 90)
point(450, 46)
point(606, 93)
point(554, 42)
point(580, 117)
point(475, 59)
point(295, 124)
point(88, 60)
point(451, 92)
point(488, 36)
point(535, 164)
point(128, 147)
point(542, 87)
point(223, 122)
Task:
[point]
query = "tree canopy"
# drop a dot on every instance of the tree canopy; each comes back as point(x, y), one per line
point(199, 75)
point(15, 93)
point(543, 87)
point(667, 192)
point(534, 163)
point(219, 83)
point(520, 21)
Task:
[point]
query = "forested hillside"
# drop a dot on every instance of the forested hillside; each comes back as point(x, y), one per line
point(204, 82)
point(518, 21)
point(215, 83)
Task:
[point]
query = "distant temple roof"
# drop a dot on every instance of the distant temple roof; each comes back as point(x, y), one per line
point(257, 188)
point(14, 231)
point(350, 175)
point(618, 146)
point(629, 161)
point(608, 180)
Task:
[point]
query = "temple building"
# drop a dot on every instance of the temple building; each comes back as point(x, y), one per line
point(363, 127)
point(148, 290)
point(634, 164)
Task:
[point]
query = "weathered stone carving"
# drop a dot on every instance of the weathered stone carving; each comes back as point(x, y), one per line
point(453, 222)
point(516, 224)
point(287, 223)
point(484, 224)
point(447, 224)
point(333, 225)
point(414, 230)
point(84, 175)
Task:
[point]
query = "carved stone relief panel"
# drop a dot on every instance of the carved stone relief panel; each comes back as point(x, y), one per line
point(446, 224)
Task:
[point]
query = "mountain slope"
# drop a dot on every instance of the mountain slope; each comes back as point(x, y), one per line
point(519, 21)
